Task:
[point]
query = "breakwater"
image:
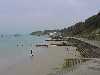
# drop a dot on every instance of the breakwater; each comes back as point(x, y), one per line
point(86, 50)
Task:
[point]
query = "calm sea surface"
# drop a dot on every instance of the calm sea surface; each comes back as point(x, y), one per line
point(11, 46)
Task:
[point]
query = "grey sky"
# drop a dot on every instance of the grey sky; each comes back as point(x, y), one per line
point(19, 16)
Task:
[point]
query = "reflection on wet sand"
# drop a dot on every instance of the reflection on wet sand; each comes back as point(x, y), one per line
point(95, 66)
point(68, 66)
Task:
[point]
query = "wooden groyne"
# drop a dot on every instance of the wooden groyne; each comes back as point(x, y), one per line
point(56, 40)
point(44, 45)
point(86, 50)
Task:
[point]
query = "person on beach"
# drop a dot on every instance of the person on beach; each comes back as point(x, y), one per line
point(32, 53)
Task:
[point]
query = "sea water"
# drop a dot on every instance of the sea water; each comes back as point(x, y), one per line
point(11, 46)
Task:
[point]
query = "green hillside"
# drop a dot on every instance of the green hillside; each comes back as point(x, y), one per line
point(89, 29)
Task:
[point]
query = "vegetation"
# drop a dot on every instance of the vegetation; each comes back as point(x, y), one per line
point(38, 33)
point(89, 29)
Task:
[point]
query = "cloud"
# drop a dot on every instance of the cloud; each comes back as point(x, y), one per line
point(47, 13)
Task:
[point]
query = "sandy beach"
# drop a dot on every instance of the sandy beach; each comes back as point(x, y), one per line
point(89, 68)
point(43, 62)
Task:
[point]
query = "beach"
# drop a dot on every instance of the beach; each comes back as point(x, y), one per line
point(42, 63)
point(51, 60)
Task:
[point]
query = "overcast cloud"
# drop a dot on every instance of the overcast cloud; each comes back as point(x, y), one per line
point(19, 16)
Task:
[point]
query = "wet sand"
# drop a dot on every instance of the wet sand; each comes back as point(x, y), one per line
point(89, 68)
point(43, 62)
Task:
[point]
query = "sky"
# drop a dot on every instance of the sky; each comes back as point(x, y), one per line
point(25, 16)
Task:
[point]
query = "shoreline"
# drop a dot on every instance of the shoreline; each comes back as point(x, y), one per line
point(90, 54)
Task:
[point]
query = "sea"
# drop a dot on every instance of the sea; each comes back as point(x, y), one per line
point(18, 46)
